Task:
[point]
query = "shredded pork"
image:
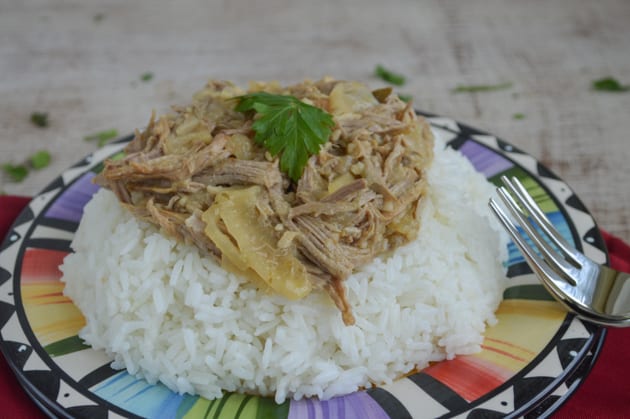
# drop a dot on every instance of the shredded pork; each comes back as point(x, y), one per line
point(198, 174)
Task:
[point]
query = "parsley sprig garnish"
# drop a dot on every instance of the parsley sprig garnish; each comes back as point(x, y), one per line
point(19, 172)
point(40, 119)
point(609, 84)
point(389, 76)
point(475, 88)
point(102, 137)
point(288, 127)
point(40, 159)
point(147, 76)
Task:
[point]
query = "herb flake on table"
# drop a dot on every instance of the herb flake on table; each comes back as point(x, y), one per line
point(288, 127)
point(40, 159)
point(389, 76)
point(98, 17)
point(518, 116)
point(17, 172)
point(148, 76)
point(39, 119)
point(102, 137)
point(475, 88)
point(609, 84)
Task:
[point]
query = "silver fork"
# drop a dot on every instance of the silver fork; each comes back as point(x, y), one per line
point(594, 292)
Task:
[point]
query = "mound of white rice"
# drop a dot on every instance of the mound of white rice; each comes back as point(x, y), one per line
point(167, 314)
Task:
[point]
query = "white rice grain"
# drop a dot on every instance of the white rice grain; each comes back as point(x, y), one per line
point(166, 313)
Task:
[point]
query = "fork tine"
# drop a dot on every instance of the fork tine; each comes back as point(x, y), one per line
point(543, 271)
point(554, 259)
point(517, 188)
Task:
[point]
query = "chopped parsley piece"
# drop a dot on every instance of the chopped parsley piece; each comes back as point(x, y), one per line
point(148, 76)
point(474, 88)
point(102, 137)
point(288, 127)
point(40, 159)
point(17, 172)
point(518, 116)
point(389, 76)
point(609, 84)
point(39, 119)
point(98, 17)
point(118, 156)
point(405, 98)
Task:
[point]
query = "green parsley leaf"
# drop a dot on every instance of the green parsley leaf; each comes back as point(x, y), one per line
point(39, 119)
point(474, 88)
point(148, 76)
point(518, 116)
point(98, 17)
point(40, 159)
point(609, 84)
point(288, 127)
point(405, 98)
point(102, 137)
point(389, 76)
point(17, 172)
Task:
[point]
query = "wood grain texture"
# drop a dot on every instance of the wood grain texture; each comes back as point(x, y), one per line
point(81, 62)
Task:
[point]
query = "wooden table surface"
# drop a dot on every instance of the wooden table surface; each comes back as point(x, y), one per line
point(81, 63)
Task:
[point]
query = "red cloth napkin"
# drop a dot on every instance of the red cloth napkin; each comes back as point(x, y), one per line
point(14, 402)
point(604, 394)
